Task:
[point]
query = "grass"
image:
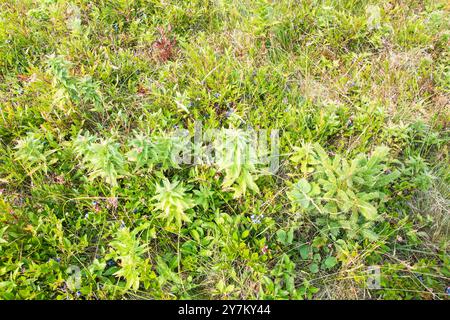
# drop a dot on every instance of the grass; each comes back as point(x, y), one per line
point(101, 100)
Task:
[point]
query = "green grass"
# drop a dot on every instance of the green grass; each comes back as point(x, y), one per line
point(92, 93)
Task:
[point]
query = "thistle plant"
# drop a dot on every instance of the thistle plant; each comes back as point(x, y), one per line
point(101, 159)
point(236, 157)
point(342, 194)
point(127, 249)
point(31, 153)
point(150, 151)
point(71, 89)
point(172, 201)
point(142, 151)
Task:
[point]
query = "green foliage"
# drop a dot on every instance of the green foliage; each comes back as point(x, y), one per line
point(158, 150)
point(100, 106)
point(127, 249)
point(31, 152)
point(71, 89)
point(100, 157)
point(342, 195)
point(172, 200)
point(236, 156)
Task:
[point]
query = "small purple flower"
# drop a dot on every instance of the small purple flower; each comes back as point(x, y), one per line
point(96, 206)
point(229, 113)
point(113, 202)
point(78, 294)
point(111, 263)
point(216, 95)
point(447, 291)
point(265, 249)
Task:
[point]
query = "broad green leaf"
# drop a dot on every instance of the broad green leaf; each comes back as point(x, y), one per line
point(330, 262)
point(314, 267)
point(305, 250)
point(281, 236)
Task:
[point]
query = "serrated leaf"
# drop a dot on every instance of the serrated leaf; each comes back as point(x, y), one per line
point(367, 210)
point(369, 234)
